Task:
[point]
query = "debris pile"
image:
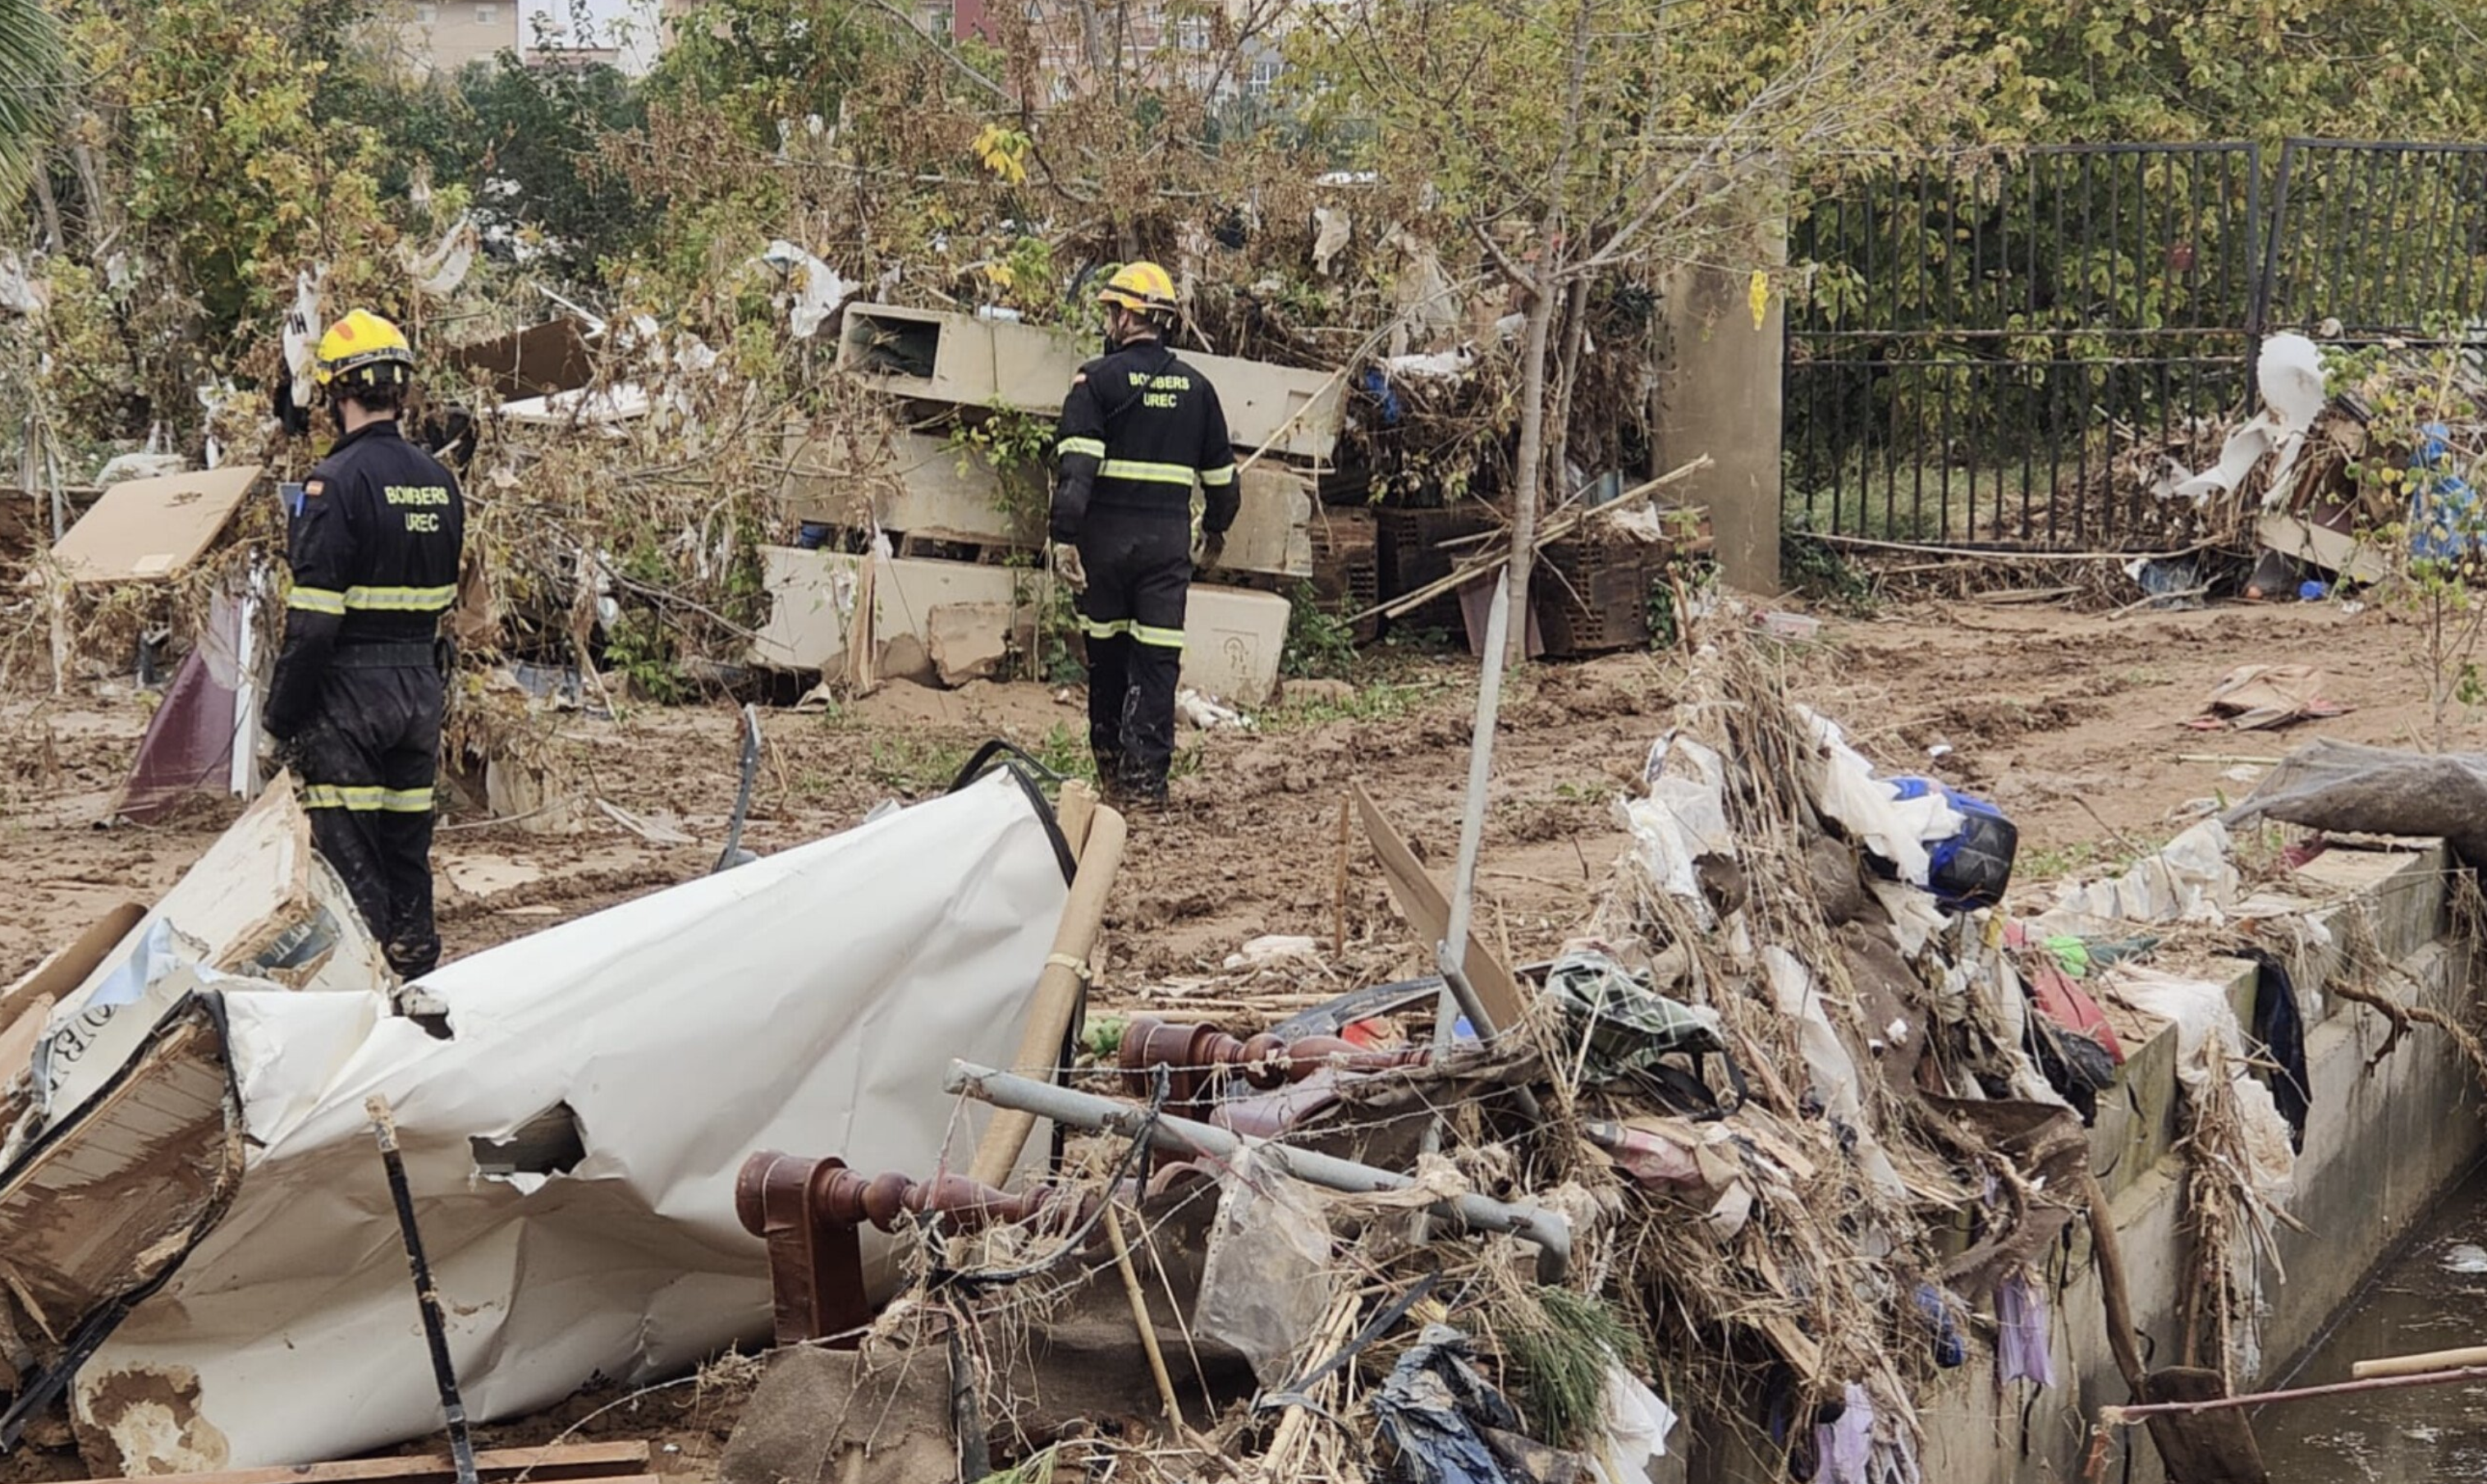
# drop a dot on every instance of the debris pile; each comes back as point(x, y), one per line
point(1781, 1136)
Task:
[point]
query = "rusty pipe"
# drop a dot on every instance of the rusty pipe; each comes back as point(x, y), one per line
point(1192, 1055)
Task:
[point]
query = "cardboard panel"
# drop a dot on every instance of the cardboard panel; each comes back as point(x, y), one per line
point(146, 530)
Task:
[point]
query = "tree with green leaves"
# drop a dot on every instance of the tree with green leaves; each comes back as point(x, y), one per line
point(525, 147)
point(30, 73)
point(1583, 143)
point(2112, 71)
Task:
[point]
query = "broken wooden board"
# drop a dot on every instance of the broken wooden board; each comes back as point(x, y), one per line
point(2215, 1447)
point(68, 968)
point(574, 1461)
point(107, 1204)
point(146, 530)
point(259, 902)
point(1428, 909)
point(2333, 551)
point(533, 362)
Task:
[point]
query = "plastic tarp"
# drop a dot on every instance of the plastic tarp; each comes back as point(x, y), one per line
point(2359, 790)
point(805, 1001)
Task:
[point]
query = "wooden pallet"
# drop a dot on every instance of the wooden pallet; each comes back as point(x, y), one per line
point(581, 1462)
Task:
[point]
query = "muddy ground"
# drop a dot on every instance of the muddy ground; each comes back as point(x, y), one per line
point(2074, 724)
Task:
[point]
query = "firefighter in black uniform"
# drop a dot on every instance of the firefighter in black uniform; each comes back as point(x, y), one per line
point(1138, 427)
point(355, 705)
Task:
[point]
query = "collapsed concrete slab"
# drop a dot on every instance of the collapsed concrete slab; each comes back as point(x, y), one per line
point(930, 355)
point(573, 1141)
point(953, 620)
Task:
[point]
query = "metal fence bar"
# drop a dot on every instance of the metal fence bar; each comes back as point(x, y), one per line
point(2033, 321)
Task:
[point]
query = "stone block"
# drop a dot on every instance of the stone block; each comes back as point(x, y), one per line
point(1272, 530)
point(1232, 641)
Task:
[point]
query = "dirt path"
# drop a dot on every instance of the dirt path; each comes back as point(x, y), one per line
point(2073, 724)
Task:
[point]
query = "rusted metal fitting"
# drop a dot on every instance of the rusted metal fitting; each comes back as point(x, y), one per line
point(1196, 1057)
point(815, 1268)
point(812, 1212)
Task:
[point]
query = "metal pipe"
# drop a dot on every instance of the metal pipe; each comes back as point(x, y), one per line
point(2114, 1415)
point(427, 1294)
point(1549, 1230)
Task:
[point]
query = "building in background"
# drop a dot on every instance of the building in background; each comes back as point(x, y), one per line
point(1179, 41)
point(438, 38)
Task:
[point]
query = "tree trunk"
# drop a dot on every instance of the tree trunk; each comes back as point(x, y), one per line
point(1545, 284)
point(1567, 380)
point(48, 207)
point(1528, 477)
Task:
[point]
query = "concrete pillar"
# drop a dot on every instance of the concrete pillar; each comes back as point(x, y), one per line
point(1719, 394)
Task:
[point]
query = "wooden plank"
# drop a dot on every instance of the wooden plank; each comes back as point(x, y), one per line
point(68, 968)
point(1428, 909)
point(581, 1463)
point(18, 1037)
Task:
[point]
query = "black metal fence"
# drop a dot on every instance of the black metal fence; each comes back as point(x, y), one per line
point(2373, 241)
point(2021, 350)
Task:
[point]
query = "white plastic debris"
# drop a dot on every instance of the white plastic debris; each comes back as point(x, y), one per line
point(439, 271)
point(1269, 949)
point(817, 286)
point(124, 467)
point(2191, 879)
point(1268, 1277)
point(2204, 1019)
point(1834, 1072)
point(2289, 374)
point(1205, 713)
point(1332, 226)
point(1683, 819)
point(1870, 809)
point(1440, 366)
point(1632, 1432)
point(21, 292)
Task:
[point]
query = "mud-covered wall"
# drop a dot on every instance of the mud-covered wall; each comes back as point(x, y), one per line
point(2383, 1142)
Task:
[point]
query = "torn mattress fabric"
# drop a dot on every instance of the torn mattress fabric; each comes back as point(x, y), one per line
point(573, 1144)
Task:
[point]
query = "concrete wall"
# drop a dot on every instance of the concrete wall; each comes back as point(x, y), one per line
point(2381, 1143)
point(1719, 394)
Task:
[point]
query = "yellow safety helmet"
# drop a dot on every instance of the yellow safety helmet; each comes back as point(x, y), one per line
point(1142, 285)
point(364, 352)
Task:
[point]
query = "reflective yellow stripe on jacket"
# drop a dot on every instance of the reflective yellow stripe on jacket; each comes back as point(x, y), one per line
point(372, 599)
point(1145, 473)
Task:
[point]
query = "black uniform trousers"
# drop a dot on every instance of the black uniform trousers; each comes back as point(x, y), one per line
point(367, 758)
point(1138, 565)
